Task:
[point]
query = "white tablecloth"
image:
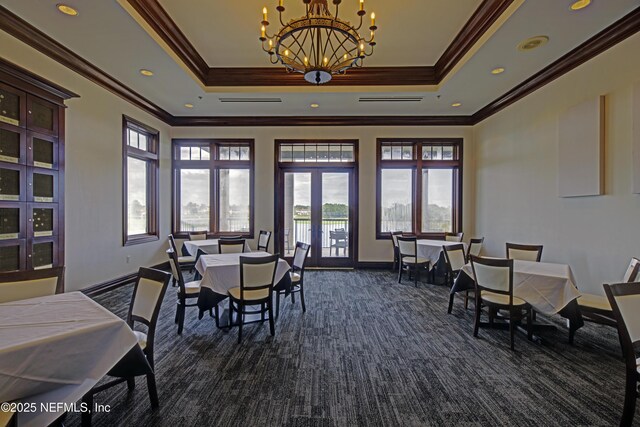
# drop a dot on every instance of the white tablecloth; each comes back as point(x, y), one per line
point(431, 249)
point(222, 272)
point(209, 246)
point(546, 286)
point(55, 349)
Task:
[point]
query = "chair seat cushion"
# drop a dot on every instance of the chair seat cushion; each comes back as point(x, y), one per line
point(501, 299)
point(412, 260)
point(186, 259)
point(295, 277)
point(142, 339)
point(598, 302)
point(249, 295)
point(192, 287)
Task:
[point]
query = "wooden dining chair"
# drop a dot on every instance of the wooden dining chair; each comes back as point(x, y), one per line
point(596, 308)
point(148, 293)
point(257, 276)
point(19, 285)
point(229, 246)
point(524, 252)
point(475, 247)
point(198, 235)
point(297, 276)
point(453, 237)
point(263, 240)
point(624, 299)
point(494, 289)
point(187, 291)
point(396, 253)
point(409, 260)
point(186, 261)
point(455, 259)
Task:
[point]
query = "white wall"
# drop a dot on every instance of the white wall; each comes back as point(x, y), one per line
point(93, 174)
point(517, 171)
point(369, 249)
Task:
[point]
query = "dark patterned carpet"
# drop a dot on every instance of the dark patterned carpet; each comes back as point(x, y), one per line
point(369, 352)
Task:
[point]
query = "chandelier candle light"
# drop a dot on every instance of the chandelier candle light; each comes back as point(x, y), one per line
point(318, 44)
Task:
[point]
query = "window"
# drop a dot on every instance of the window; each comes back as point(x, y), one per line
point(213, 186)
point(311, 152)
point(140, 178)
point(419, 187)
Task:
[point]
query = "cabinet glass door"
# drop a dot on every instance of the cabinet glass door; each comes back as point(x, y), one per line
point(42, 115)
point(43, 186)
point(12, 106)
point(42, 220)
point(12, 255)
point(43, 151)
point(11, 182)
point(11, 144)
point(12, 224)
point(43, 254)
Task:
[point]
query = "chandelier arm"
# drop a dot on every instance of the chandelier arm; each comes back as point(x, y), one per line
point(361, 21)
point(339, 58)
point(294, 36)
point(337, 6)
point(280, 18)
point(328, 31)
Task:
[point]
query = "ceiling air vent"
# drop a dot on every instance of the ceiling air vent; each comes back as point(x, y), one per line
point(250, 100)
point(392, 99)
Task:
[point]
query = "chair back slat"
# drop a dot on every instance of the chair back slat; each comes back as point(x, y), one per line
point(198, 235)
point(300, 255)
point(258, 276)
point(455, 256)
point(475, 246)
point(263, 240)
point(625, 302)
point(19, 285)
point(407, 246)
point(524, 252)
point(176, 271)
point(495, 275)
point(453, 237)
point(235, 246)
point(148, 294)
point(632, 273)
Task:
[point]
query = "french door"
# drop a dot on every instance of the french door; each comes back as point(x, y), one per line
point(317, 204)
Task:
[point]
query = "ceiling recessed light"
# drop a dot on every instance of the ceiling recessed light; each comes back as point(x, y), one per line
point(533, 43)
point(315, 105)
point(580, 4)
point(146, 73)
point(498, 70)
point(67, 10)
point(188, 105)
point(456, 104)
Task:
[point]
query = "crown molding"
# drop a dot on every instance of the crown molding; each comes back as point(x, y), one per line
point(604, 40)
point(27, 33)
point(157, 18)
point(609, 37)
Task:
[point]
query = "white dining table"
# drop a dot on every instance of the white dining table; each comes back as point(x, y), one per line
point(209, 246)
point(548, 287)
point(221, 272)
point(431, 249)
point(54, 349)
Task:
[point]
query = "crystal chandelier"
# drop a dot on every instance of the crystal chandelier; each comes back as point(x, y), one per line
point(318, 44)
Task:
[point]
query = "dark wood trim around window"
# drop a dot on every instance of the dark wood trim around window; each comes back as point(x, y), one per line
point(152, 159)
point(213, 165)
point(417, 165)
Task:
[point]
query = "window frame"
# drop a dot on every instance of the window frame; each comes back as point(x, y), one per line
point(417, 165)
point(152, 159)
point(213, 165)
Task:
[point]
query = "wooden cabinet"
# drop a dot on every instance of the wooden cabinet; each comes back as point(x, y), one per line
point(31, 170)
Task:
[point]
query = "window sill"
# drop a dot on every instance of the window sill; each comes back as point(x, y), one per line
point(137, 240)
